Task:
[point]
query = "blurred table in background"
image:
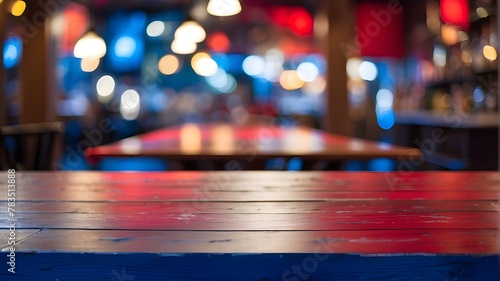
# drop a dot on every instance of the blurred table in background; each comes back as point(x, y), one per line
point(247, 147)
point(252, 225)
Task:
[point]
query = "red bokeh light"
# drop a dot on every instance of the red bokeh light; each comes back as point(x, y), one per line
point(218, 42)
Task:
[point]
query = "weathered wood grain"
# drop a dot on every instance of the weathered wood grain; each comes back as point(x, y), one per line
point(287, 207)
point(435, 241)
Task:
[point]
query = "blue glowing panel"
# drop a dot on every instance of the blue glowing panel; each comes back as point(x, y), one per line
point(12, 52)
point(126, 41)
point(381, 165)
point(132, 164)
point(72, 75)
point(231, 63)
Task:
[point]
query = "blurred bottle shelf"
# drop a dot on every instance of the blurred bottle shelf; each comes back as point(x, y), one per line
point(449, 120)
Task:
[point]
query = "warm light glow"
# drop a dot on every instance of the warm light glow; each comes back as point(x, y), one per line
point(105, 88)
point(131, 145)
point(299, 140)
point(490, 53)
point(155, 29)
point(352, 68)
point(223, 139)
point(89, 64)
point(433, 17)
point(203, 64)
point(368, 71)
point(321, 26)
point(182, 47)
point(169, 64)
point(315, 87)
point(190, 138)
point(18, 8)
point(482, 12)
point(307, 71)
point(466, 57)
point(190, 31)
point(290, 80)
point(223, 8)
point(91, 45)
point(449, 33)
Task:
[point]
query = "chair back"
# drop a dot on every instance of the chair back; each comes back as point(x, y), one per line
point(29, 146)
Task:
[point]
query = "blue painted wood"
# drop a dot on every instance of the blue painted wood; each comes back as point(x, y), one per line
point(252, 267)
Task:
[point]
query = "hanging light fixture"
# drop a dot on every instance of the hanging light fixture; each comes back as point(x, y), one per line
point(191, 31)
point(223, 8)
point(91, 45)
point(186, 37)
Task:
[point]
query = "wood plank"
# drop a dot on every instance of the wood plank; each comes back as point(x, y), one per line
point(268, 177)
point(134, 193)
point(186, 220)
point(297, 207)
point(475, 242)
point(20, 235)
point(279, 186)
point(245, 187)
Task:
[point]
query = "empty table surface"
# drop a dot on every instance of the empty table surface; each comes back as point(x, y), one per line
point(252, 226)
point(248, 143)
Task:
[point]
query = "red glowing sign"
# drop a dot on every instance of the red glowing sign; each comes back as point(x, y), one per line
point(298, 19)
point(455, 12)
point(380, 29)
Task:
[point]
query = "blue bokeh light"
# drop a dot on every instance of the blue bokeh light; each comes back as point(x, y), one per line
point(12, 52)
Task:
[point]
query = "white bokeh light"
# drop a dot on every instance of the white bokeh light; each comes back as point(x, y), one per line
point(368, 71)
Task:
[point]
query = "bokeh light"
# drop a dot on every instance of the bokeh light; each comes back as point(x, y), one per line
point(254, 65)
point(290, 80)
point(307, 71)
point(155, 29)
point(105, 88)
point(18, 8)
point(203, 64)
point(169, 64)
point(368, 71)
point(89, 64)
point(183, 47)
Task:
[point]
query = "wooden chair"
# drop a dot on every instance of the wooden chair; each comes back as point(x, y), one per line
point(29, 146)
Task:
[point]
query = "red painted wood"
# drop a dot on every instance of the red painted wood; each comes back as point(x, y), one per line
point(185, 219)
point(295, 207)
point(367, 241)
point(426, 212)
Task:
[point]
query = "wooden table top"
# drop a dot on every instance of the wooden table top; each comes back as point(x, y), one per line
point(430, 225)
point(222, 141)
